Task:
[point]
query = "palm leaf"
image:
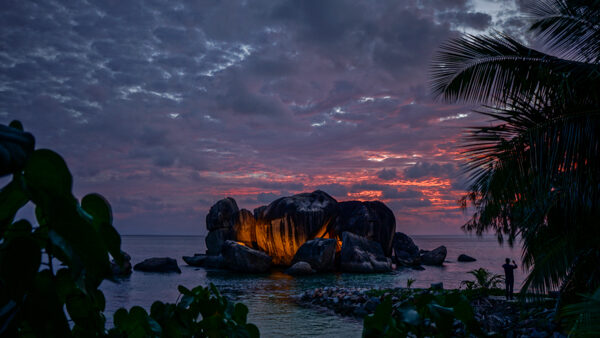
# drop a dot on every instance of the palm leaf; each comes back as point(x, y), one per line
point(571, 28)
point(497, 68)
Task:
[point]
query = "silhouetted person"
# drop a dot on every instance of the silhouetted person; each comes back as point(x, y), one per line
point(509, 277)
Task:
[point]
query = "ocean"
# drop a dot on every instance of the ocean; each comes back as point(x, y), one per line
point(270, 297)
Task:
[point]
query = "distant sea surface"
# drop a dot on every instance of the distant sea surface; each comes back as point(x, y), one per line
point(269, 297)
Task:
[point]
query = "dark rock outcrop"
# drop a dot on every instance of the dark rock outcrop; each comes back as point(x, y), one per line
point(242, 258)
point(300, 268)
point(319, 253)
point(216, 238)
point(372, 220)
point(259, 211)
point(282, 227)
point(205, 261)
point(158, 264)
point(405, 250)
point(466, 258)
point(362, 255)
point(435, 256)
point(123, 269)
point(222, 214)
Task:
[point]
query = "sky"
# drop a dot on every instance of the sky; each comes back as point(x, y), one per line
point(165, 107)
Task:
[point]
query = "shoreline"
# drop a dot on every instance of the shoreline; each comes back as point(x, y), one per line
point(493, 313)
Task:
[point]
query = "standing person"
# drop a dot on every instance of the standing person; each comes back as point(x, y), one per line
point(509, 277)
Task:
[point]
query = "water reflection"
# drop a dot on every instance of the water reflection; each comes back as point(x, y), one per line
point(270, 296)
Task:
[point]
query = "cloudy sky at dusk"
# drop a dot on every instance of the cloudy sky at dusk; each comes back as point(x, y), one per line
point(166, 107)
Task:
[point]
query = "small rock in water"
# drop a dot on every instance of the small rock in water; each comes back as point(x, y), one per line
point(301, 268)
point(437, 286)
point(158, 264)
point(466, 258)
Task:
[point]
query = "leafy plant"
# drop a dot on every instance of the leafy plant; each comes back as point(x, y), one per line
point(584, 317)
point(80, 235)
point(428, 313)
point(410, 282)
point(200, 312)
point(37, 300)
point(484, 281)
point(534, 169)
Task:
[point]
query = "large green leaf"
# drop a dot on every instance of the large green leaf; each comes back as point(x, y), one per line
point(47, 175)
point(12, 198)
point(20, 259)
point(43, 309)
point(99, 209)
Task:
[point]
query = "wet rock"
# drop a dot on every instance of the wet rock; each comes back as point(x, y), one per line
point(318, 252)
point(405, 250)
point(205, 261)
point(360, 311)
point(244, 228)
point(372, 220)
point(196, 260)
point(362, 255)
point(242, 258)
point(222, 214)
point(435, 256)
point(300, 268)
point(437, 286)
point(465, 258)
point(216, 238)
point(258, 212)
point(288, 222)
point(121, 270)
point(371, 304)
point(158, 264)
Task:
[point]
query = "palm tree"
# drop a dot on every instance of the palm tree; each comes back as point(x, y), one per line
point(535, 170)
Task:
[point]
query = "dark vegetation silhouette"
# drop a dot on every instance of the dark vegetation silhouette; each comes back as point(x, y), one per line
point(80, 236)
point(535, 168)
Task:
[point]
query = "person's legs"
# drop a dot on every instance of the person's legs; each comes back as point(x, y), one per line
point(511, 287)
point(507, 284)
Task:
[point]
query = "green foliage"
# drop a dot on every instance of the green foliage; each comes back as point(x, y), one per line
point(484, 281)
point(409, 282)
point(200, 312)
point(534, 168)
point(430, 313)
point(583, 318)
point(37, 301)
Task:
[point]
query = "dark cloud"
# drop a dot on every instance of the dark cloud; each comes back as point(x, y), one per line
point(425, 169)
point(478, 21)
point(189, 102)
point(387, 174)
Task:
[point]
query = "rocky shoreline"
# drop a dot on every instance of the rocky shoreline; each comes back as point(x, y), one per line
point(494, 314)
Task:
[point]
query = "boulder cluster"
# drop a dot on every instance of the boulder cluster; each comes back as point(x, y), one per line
point(407, 253)
point(309, 233)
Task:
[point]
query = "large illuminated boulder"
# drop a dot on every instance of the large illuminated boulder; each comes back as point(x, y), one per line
point(282, 227)
point(372, 220)
point(287, 223)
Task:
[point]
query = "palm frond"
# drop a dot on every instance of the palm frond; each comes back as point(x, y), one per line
point(571, 28)
point(496, 68)
point(584, 316)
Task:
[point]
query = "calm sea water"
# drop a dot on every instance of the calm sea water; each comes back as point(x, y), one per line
point(269, 297)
